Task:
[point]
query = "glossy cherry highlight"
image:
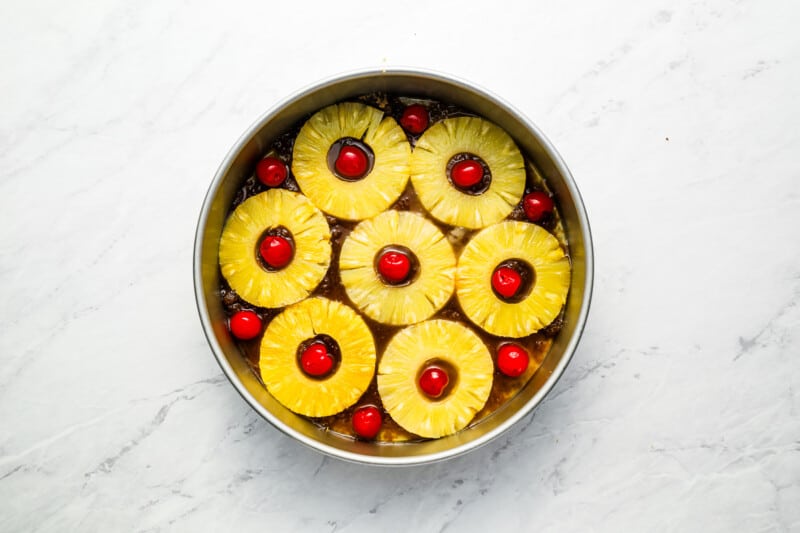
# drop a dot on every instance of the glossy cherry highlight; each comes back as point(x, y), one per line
point(433, 381)
point(415, 119)
point(512, 360)
point(352, 162)
point(506, 282)
point(245, 325)
point(466, 173)
point(394, 267)
point(367, 421)
point(315, 360)
point(537, 204)
point(271, 171)
point(276, 251)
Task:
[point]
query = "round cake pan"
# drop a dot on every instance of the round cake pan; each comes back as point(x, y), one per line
point(238, 166)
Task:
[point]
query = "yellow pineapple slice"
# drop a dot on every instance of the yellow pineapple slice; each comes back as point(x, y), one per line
point(499, 243)
point(360, 198)
point(436, 150)
point(397, 304)
point(244, 230)
point(443, 343)
point(282, 373)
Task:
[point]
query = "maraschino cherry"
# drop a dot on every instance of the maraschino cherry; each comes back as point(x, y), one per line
point(506, 282)
point(245, 325)
point(367, 421)
point(352, 162)
point(466, 173)
point(276, 251)
point(536, 205)
point(394, 267)
point(512, 360)
point(415, 119)
point(433, 381)
point(315, 360)
point(271, 171)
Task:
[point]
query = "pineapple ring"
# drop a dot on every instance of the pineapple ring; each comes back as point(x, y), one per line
point(240, 237)
point(499, 243)
point(476, 136)
point(282, 374)
point(398, 304)
point(366, 197)
point(409, 351)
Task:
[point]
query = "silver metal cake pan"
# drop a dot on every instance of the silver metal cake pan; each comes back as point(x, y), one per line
point(238, 166)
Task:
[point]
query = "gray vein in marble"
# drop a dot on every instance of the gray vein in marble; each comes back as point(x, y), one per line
point(108, 464)
point(12, 472)
point(54, 439)
point(661, 18)
point(39, 346)
point(569, 381)
point(746, 344)
point(759, 67)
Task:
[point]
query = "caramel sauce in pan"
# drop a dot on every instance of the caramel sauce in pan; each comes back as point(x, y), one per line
point(503, 387)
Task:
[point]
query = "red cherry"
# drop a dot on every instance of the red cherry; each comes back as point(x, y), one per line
point(433, 381)
point(245, 325)
point(271, 171)
point(512, 360)
point(394, 267)
point(315, 360)
point(466, 173)
point(506, 281)
point(352, 162)
point(536, 205)
point(276, 251)
point(367, 421)
point(414, 119)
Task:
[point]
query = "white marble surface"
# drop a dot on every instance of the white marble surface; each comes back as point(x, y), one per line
point(681, 408)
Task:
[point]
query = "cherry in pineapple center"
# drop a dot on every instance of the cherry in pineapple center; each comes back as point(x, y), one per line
point(350, 159)
point(512, 280)
point(396, 265)
point(319, 357)
point(275, 249)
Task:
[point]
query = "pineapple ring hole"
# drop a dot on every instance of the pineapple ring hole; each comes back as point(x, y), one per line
point(527, 275)
point(330, 345)
point(280, 231)
point(335, 150)
point(479, 188)
point(448, 368)
point(414, 269)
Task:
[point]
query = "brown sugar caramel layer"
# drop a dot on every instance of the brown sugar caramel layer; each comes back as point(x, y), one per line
point(503, 388)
